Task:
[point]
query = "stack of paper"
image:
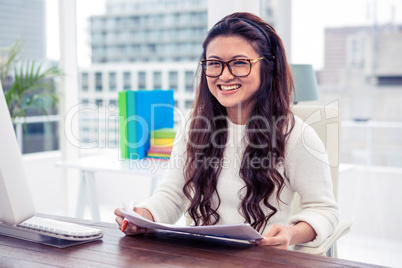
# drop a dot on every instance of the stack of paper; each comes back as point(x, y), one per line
point(241, 231)
point(141, 112)
point(161, 143)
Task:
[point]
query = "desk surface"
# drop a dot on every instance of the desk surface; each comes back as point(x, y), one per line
point(156, 249)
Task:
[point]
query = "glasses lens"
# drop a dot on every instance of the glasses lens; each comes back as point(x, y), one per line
point(237, 67)
point(240, 67)
point(212, 67)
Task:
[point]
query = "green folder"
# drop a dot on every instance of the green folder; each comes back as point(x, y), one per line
point(122, 102)
point(163, 133)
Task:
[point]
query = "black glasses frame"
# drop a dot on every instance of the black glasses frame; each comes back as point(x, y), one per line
point(223, 63)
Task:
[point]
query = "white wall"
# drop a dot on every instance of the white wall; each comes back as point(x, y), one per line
point(371, 199)
point(47, 186)
point(45, 181)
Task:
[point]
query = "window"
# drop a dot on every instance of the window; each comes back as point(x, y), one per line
point(111, 52)
point(135, 48)
point(188, 104)
point(155, 20)
point(144, 20)
point(157, 80)
point(112, 104)
point(111, 22)
point(98, 81)
point(189, 76)
point(97, 23)
point(151, 48)
point(25, 21)
point(141, 80)
point(127, 81)
point(99, 102)
point(84, 81)
point(110, 37)
point(122, 50)
point(135, 20)
point(173, 80)
point(112, 81)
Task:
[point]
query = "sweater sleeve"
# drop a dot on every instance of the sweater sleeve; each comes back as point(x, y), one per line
point(308, 171)
point(168, 202)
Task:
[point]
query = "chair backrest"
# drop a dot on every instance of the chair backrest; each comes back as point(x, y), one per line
point(325, 120)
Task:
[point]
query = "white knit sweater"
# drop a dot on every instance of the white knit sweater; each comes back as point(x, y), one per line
point(306, 174)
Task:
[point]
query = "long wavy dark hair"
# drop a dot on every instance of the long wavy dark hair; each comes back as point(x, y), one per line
point(208, 130)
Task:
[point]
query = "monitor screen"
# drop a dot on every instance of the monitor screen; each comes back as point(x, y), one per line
point(16, 202)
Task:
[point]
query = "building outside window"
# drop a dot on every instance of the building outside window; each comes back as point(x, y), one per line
point(112, 81)
point(157, 79)
point(85, 129)
point(188, 104)
point(98, 81)
point(97, 23)
point(24, 20)
point(112, 104)
point(84, 81)
point(117, 37)
point(189, 77)
point(142, 76)
point(173, 80)
point(99, 102)
point(127, 81)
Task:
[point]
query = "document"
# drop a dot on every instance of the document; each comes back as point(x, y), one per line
point(241, 231)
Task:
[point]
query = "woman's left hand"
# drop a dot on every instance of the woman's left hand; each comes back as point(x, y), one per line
point(278, 236)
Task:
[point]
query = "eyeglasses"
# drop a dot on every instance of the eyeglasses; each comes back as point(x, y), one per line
point(237, 67)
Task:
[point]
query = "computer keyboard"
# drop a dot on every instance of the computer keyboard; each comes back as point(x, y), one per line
point(60, 229)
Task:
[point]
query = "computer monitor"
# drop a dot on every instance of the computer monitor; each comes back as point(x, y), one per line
point(16, 202)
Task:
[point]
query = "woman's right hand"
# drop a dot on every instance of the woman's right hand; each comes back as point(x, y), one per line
point(131, 228)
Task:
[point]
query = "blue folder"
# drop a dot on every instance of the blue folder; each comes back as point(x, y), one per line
point(147, 110)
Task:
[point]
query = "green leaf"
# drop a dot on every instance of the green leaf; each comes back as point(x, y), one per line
point(32, 88)
point(9, 56)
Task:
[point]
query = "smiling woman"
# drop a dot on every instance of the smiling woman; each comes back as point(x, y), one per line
point(234, 87)
point(242, 158)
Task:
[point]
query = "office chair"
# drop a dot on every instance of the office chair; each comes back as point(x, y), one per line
point(325, 120)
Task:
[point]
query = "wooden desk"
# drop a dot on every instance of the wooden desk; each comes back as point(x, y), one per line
point(156, 249)
point(90, 165)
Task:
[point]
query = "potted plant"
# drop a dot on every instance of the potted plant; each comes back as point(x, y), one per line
point(27, 87)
